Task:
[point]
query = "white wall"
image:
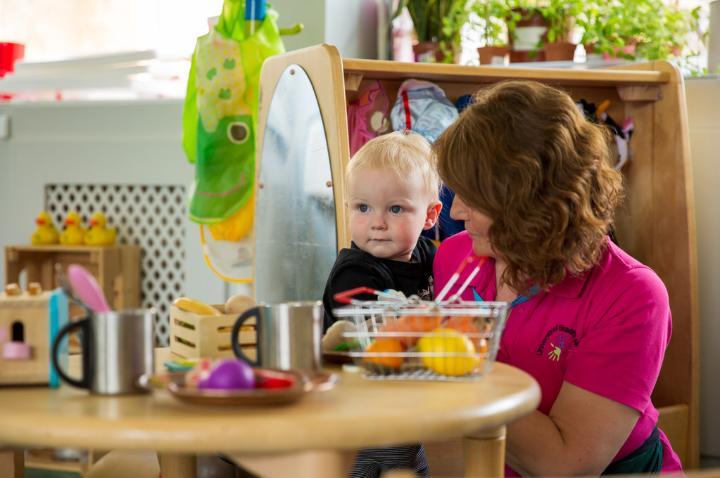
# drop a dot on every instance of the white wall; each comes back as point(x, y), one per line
point(703, 102)
point(351, 25)
point(135, 142)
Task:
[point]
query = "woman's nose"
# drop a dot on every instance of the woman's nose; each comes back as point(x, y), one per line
point(458, 210)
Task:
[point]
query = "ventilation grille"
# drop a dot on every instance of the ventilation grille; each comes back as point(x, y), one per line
point(152, 217)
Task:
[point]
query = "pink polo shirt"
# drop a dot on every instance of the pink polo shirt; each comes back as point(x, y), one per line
point(605, 331)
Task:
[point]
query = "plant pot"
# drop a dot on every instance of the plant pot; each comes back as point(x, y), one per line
point(529, 32)
point(493, 55)
point(560, 51)
point(428, 52)
point(628, 49)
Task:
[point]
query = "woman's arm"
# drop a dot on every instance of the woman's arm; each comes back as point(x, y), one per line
point(580, 436)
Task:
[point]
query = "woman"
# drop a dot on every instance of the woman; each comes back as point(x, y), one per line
point(535, 189)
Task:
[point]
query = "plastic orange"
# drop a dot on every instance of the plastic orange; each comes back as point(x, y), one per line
point(385, 346)
point(466, 325)
point(411, 323)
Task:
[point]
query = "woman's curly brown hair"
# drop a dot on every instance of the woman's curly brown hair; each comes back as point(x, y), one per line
point(525, 156)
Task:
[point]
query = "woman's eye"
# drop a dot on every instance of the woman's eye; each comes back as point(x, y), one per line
point(396, 209)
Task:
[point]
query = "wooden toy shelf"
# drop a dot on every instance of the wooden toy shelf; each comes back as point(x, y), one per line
point(117, 268)
point(656, 224)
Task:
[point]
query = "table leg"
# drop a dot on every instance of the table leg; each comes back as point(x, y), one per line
point(177, 466)
point(307, 464)
point(485, 453)
point(12, 463)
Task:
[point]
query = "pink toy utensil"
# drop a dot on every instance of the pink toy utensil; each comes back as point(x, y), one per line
point(456, 275)
point(87, 289)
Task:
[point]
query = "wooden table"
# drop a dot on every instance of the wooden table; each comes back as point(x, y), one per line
point(314, 437)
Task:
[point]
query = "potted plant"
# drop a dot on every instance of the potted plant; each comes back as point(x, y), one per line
point(492, 14)
point(614, 28)
point(560, 17)
point(640, 28)
point(437, 24)
point(457, 16)
point(670, 33)
point(526, 31)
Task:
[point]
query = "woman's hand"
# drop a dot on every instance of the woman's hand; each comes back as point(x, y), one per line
point(582, 433)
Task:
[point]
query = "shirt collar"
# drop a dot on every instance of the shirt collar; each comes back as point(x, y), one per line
point(571, 287)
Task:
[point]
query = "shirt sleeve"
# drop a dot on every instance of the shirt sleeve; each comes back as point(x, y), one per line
point(620, 354)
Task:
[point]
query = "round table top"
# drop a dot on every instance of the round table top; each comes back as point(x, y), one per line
point(356, 413)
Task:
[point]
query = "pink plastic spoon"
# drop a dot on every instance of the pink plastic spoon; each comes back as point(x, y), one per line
point(87, 289)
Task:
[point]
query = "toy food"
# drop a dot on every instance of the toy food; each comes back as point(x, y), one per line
point(268, 379)
point(34, 288)
point(466, 325)
point(413, 324)
point(231, 374)
point(445, 343)
point(385, 346)
point(13, 290)
point(193, 305)
point(335, 335)
point(238, 303)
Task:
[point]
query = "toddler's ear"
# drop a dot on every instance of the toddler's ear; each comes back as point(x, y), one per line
point(433, 213)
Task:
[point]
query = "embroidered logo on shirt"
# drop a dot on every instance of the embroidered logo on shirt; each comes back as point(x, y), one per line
point(556, 341)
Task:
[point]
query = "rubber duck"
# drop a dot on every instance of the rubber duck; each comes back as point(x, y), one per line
point(45, 232)
point(74, 231)
point(99, 234)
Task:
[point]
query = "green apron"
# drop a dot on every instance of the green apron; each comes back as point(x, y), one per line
point(647, 458)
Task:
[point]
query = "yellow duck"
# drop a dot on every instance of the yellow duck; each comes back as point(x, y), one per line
point(74, 232)
point(45, 232)
point(99, 234)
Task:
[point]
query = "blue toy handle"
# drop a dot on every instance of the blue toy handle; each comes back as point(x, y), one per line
point(255, 10)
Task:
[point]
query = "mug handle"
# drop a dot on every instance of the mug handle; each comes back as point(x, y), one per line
point(87, 372)
point(237, 349)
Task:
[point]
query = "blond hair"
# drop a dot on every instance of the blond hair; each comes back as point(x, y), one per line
point(401, 153)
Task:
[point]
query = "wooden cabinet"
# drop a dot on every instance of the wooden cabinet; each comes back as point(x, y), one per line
point(656, 224)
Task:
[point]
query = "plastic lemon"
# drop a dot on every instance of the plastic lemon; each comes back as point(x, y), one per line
point(443, 344)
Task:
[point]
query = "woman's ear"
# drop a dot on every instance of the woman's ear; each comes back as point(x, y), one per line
point(433, 213)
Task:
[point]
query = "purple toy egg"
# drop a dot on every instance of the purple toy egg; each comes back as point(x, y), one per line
point(231, 374)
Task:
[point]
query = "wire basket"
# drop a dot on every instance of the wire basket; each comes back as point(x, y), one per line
point(410, 339)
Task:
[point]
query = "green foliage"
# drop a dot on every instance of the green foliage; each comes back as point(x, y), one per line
point(438, 21)
point(493, 15)
point(560, 15)
point(658, 30)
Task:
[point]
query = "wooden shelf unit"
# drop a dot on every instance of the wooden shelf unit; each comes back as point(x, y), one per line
point(656, 224)
point(117, 268)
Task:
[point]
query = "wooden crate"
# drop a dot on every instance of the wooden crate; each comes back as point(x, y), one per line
point(31, 314)
point(117, 268)
point(193, 335)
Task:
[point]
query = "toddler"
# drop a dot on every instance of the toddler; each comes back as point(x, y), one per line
point(392, 193)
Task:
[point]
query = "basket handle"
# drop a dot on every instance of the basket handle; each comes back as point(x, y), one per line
point(346, 296)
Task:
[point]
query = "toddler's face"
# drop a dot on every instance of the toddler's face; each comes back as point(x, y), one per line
point(387, 214)
point(477, 225)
